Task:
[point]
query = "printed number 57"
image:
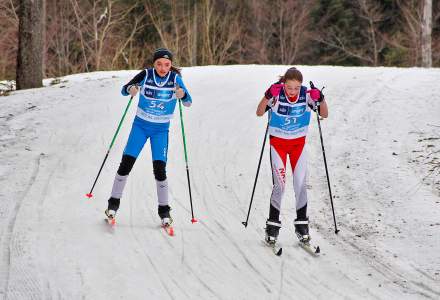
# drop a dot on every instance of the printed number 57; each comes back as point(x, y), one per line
point(289, 120)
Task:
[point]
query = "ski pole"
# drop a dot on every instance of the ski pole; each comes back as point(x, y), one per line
point(90, 195)
point(325, 160)
point(256, 176)
point(193, 220)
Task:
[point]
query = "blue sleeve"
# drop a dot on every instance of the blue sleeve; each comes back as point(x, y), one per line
point(187, 98)
point(137, 80)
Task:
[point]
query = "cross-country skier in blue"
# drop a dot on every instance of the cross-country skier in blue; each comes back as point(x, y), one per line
point(159, 87)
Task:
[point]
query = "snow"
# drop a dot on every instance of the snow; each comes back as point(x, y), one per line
point(382, 141)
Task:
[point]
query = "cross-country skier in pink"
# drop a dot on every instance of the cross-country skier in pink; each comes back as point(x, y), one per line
point(289, 105)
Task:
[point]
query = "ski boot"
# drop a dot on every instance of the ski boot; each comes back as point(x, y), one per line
point(110, 212)
point(164, 214)
point(272, 231)
point(302, 230)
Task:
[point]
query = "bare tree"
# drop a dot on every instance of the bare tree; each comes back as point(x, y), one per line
point(8, 38)
point(176, 27)
point(372, 13)
point(426, 34)
point(221, 32)
point(30, 44)
point(436, 38)
point(293, 21)
point(411, 29)
point(97, 26)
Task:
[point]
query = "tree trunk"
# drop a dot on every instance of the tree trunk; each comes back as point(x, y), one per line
point(426, 34)
point(194, 38)
point(30, 44)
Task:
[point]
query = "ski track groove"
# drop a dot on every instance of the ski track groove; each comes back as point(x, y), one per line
point(246, 259)
point(167, 239)
point(386, 270)
point(144, 252)
point(394, 276)
point(81, 278)
point(182, 256)
point(280, 290)
point(8, 243)
point(426, 275)
point(147, 256)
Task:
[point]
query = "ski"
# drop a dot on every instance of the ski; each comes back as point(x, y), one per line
point(168, 229)
point(304, 242)
point(314, 250)
point(276, 249)
point(110, 224)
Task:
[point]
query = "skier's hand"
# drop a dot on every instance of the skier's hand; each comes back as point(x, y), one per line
point(316, 95)
point(273, 91)
point(132, 90)
point(180, 93)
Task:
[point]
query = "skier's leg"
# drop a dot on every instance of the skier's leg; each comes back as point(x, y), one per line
point(135, 143)
point(278, 164)
point(159, 169)
point(159, 150)
point(121, 176)
point(298, 161)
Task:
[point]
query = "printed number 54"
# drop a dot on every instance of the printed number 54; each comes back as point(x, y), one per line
point(158, 104)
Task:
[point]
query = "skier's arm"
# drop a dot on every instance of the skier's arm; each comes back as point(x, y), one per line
point(125, 91)
point(263, 106)
point(323, 109)
point(186, 99)
point(268, 100)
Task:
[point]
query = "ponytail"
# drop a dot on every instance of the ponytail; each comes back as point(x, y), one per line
point(176, 70)
point(291, 74)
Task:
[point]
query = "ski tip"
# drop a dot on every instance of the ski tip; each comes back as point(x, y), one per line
point(193, 220)
point(318, 250)
point(110, 222)
point(168, 229)
point(89, 195)
point(280, 251)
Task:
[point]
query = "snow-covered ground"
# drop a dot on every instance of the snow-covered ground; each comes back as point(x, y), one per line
point(382, 143)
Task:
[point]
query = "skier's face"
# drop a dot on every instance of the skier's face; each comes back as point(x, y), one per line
point(162, 66)
point(292, 87)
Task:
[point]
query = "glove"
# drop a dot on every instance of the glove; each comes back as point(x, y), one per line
point(273, 91)
point(180, 93)
point(316, 95)
point(132, 90)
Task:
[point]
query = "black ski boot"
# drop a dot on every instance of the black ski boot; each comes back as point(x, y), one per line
point(164, 214)
point(272, 231)
point(113, 206)
point(302, 229)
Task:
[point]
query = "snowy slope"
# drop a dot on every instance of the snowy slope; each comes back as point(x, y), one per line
point(383, 148)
